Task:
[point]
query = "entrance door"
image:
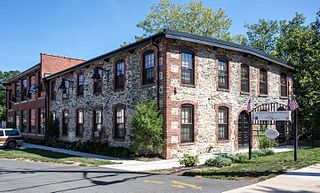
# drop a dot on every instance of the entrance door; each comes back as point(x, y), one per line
point(243, 130)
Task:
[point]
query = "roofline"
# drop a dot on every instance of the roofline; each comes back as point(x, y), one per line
point(178, 35)
point(108, 54)
point(173, 34)
point(31, 69)
point(64, 57)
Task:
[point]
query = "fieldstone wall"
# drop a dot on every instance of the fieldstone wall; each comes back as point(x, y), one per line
point(133, 94)
point(206, 97)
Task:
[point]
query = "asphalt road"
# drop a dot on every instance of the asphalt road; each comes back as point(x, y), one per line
point(22, 176)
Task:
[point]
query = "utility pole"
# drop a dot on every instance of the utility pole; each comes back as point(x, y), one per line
point(250, 135)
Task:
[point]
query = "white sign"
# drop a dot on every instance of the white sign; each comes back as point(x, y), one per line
point(271, 133)
point(272, 116)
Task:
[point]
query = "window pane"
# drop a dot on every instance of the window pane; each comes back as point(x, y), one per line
point(283, 83)
point(187, 68)
point(119, 84)
point(263, 82)
point(223, 74)
point(223, 123)
point(148, 69)
point(187, 131)
point(245, 78)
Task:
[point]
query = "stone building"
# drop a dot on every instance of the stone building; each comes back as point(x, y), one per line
point(25, 102)
point(202, 86)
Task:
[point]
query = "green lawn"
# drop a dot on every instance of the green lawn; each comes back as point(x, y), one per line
point(260, 168)
point(39, 155)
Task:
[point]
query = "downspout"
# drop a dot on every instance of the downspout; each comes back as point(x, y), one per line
point(156, 44)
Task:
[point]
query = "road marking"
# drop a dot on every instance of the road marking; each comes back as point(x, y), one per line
point(177, 186)
point(153, 181)
point(182, 184)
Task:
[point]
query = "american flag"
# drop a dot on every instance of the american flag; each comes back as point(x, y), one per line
point(293, 104)
point(250, 105)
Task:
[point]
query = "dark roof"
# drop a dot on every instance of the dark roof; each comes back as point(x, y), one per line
point(33, 68)
point(178, 35)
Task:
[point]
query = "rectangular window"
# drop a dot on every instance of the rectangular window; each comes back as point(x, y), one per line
point(1, 133)
point(17, 92)
point(263, 82)
point(245, 83)
point(80, 84)
point(32, 88)
point(119, 79)
point(40, 85)
point(97, 84)
point(97, 120)
point(24, 89)
point(284, 85)
point(65, 122)
point(66, 92)
point(187, 68)
point(148, 68)
point(41, 119)
point(53, 92)
point(187, 124)
point(17, 119)
point(24, 121)
point(223, 123)
point(223, 74)
point(32, 121)
point(79, 127)
point(119, 123)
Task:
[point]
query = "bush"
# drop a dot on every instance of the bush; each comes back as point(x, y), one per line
point(262, 152)
point(189, 160)
point(233, 157)
point(219, 162)
point(147, 129)
point(265, 142)
point(243, 157)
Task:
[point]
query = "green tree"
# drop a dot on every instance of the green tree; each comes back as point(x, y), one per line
point(192, 17)
point(298, 44)
point(147, 129)
point(4, 76)
point(263, 35)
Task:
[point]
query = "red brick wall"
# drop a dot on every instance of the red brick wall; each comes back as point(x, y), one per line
point(53, 64)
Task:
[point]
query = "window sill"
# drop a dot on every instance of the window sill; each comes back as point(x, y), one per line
point(148, 85)
point(223, 141)
point(187, 143)
point(118, 90)
point(223, 90)
point(283, 97)
point(97, 93)
point(188, 85)
point(263, 95)
point(244, 93)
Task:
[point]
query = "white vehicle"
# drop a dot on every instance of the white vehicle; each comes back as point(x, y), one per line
point(10, 138)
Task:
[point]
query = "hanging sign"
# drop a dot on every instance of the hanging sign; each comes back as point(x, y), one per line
point(271, 133)
point(272, 116)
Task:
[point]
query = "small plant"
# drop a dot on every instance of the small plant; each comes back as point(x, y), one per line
point(265, 142)
point(189, 160)
point(219, 162)
point(243, 157)
point(233, 157)
point(262, 152)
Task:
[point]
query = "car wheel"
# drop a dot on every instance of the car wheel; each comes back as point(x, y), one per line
point(12, 144)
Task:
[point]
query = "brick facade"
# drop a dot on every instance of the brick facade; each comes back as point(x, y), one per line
point(204, 95)
point(33, 104)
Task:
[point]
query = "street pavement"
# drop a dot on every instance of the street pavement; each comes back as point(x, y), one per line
point(31, 177)
point(305, 180)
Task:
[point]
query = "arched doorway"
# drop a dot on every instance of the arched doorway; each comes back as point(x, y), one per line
point(243, 130)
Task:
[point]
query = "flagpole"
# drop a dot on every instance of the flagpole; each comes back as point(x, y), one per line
point(250, 135)
point(296, 135)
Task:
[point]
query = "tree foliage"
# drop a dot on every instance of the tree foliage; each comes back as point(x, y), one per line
point(4, 76)
point(192, 17)
point(146, 132)
point(297, 43)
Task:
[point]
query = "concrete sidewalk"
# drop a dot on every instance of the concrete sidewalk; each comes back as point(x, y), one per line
point(305, 180)
point(135, 165)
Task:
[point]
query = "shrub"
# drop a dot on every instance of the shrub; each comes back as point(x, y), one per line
point(189, 160)
point(233, 157)
point(262, 152)
point(265, 142)
point(219, 162)
point(243, 157)
point(146, 133)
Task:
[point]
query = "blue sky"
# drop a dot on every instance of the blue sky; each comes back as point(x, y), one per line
point(88, 28)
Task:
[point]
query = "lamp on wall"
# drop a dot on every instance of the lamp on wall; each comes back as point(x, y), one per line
point(96, 75)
